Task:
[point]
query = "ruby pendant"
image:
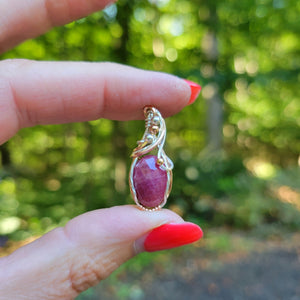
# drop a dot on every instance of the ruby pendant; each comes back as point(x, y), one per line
point(150, 176)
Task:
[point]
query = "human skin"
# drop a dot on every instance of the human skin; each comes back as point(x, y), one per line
point(68, 260)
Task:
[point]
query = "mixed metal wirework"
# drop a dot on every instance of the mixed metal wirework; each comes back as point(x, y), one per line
point(154, 138)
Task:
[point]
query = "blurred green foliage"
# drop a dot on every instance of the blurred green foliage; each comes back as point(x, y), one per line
point(245, 54)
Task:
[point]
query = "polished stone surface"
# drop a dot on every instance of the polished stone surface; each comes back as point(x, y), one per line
point(150, 181)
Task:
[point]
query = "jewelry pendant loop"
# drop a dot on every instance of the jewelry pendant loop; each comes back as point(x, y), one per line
point(150, 176)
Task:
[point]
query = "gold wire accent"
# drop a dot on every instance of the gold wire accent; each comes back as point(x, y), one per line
point(154, 137)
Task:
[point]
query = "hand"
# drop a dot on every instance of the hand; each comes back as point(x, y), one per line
point(68, 260)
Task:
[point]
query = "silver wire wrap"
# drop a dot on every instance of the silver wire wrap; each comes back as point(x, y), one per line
point(154, 137)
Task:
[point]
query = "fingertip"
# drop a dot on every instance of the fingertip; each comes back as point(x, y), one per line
point(195, 90)
point(168, 93)
point(123, 223)
point(168, 236)
point(177, 94)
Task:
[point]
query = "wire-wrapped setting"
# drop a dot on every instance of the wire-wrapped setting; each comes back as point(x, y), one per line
point(150, 177)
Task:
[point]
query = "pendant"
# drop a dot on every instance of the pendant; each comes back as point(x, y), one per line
point(150, 176)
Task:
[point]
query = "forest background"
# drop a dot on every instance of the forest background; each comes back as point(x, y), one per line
point(236, 150)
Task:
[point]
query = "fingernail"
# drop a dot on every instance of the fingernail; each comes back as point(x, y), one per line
point(172, 235)
point(195, 90)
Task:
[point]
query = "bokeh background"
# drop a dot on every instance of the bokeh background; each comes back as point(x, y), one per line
point(236, 150)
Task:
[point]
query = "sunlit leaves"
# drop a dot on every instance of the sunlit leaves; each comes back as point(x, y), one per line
point(246, 52)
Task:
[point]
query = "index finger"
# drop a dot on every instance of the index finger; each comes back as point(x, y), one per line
point(21, 20)
point(34, 93)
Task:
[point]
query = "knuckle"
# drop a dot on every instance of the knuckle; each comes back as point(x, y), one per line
point(10, 70)
point(9, 117)
point(87, 267)
point(83, 274)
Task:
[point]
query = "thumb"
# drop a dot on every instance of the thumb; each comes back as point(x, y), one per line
point(69, 260)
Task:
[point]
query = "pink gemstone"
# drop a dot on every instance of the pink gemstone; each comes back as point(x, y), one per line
point(150, 181)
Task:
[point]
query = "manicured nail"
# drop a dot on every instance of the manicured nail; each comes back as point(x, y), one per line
point(172, 235)
point(195, 90)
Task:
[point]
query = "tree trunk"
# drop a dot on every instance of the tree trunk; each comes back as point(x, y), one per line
point(215, 122)
point(119, 147)
point(212, 91)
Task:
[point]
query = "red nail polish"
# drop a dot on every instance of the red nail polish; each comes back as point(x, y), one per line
point(195, 90)
point(172, 235)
